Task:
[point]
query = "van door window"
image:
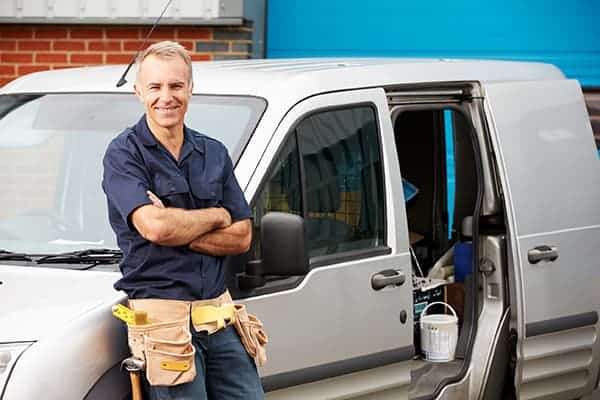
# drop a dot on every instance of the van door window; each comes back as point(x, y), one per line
point(336, 154)
point(282, 191)
point(343, 178)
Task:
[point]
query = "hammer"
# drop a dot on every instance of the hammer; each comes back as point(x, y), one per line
point(134, 366)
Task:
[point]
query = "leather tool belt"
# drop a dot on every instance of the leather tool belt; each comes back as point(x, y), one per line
point(164, 341)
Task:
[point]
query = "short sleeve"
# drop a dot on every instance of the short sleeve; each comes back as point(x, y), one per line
point(125, 180)
point(233, 197)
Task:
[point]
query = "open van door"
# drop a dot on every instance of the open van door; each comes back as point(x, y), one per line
point(550, 175)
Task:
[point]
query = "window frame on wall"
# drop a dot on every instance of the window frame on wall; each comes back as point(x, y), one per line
point(341, 256)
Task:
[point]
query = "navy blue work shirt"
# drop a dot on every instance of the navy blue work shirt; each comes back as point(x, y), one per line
point(202, 177)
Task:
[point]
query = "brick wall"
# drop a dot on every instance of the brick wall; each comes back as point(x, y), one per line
point(31, 48)
point(592, 99)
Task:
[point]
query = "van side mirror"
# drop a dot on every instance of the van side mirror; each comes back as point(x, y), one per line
point(282, 244)
point(283, 249)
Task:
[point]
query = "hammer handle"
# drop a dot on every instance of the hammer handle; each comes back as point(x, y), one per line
point(136, 386)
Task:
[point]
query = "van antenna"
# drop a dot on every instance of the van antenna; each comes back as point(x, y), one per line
point(123, 81)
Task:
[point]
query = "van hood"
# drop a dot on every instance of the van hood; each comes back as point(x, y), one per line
point(34, 300)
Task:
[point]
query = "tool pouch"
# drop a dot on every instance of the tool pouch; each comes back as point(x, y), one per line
point(165, 343)
point(251, 333)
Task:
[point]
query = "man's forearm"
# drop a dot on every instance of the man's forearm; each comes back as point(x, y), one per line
point(232, 240)
point(178, 227)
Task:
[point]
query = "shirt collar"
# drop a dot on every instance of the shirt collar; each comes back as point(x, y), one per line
point(143, 131)
point(148, 139)
point(196, 141)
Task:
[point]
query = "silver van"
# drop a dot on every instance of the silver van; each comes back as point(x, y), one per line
point(379, 187)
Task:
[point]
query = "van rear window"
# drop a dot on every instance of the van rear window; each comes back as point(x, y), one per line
point(592, 99)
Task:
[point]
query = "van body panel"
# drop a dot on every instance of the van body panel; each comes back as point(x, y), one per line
point(83, 350)
point(382, 383)
point(348, 320)
point(551, 181)
point(549, 152)
point(29, 303)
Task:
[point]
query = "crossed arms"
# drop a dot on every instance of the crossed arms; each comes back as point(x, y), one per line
point(208, 230)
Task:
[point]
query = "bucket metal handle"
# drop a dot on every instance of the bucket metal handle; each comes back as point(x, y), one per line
point(448, 306)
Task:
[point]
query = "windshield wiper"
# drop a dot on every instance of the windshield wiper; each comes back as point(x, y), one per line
point(88, 256)
point(11, 256)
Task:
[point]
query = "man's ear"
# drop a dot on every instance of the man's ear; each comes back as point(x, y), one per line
point(138, 92)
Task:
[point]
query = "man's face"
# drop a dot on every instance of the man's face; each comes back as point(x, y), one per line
point(163, 85)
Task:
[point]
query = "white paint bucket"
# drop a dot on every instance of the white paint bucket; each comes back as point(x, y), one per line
point(439, 334)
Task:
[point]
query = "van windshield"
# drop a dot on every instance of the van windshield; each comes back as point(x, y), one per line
point(51, 149)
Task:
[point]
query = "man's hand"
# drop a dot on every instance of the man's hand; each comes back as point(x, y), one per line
point(235, 239)
point(156, 201)
point(168, 226)
point(226, 217)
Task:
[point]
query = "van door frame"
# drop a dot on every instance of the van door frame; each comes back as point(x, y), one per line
point(466, 98)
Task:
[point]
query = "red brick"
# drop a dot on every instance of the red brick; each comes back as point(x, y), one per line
point(104, 46)
point(16, 57)
point(51, 58)
point(8, 70)
point(201, 57)
point(87, 33)
point(33, 45)
point(16, 32)
point(68, 45)
point(4, 81)
point(161, 33)
point(189, 45)
point(27, 69)
point(135, 45)
point(194, 33)
point(86, 58)
point(118, 58)
point(51, 33)
point(8, 45)
point(123, 33)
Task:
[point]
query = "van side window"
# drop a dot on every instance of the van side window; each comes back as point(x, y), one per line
point(343, 178)
point(336, 154)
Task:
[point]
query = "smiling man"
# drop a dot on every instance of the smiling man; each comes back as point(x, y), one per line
point(177, 209)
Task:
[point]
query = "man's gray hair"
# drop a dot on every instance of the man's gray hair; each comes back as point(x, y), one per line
point(165, 49)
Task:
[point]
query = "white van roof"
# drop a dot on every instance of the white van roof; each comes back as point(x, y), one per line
point(299, 77)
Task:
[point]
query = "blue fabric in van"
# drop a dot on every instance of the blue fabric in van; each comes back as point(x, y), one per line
point(410, 190)
point(463, 260)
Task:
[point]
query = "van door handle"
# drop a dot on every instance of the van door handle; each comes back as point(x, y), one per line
point(542, 253)
point(387, 277)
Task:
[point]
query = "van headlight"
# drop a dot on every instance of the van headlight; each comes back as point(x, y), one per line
point(9, 353)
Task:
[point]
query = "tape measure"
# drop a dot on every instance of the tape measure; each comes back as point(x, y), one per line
point(129, 316)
